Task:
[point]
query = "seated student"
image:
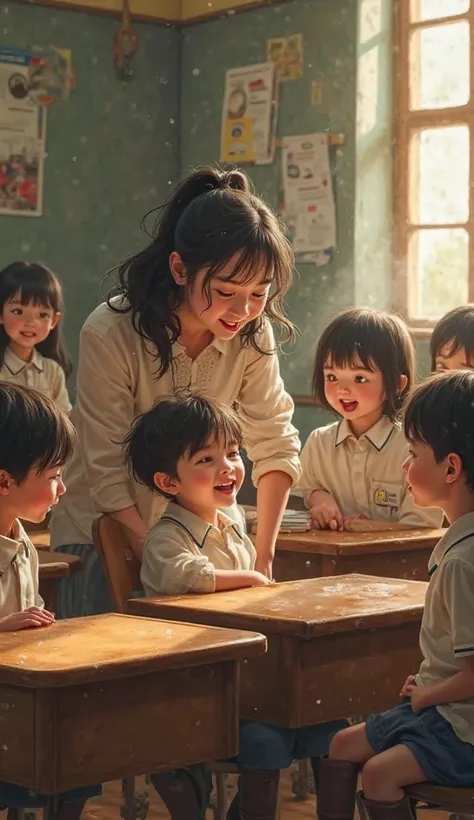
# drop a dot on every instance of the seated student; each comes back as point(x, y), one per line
point(189, 451)
point(352, 469)
point(36, 439)
point(452, 340)
point(430, 735)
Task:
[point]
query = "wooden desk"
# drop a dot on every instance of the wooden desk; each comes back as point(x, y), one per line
point(41, 539)
point(316, 554)
point(52, 567)
point(100, 698)
point(337, 647)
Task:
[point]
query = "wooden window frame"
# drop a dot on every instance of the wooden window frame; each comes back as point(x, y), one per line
point(406, 123)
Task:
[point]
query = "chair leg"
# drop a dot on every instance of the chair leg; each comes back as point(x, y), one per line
point(302, 780)
point(221, 796)
point(135, 804)
point(15, 814)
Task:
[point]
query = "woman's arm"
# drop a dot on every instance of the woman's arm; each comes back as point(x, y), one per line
point(271, 441)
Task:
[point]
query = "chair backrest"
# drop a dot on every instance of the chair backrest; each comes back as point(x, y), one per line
point(120, 564)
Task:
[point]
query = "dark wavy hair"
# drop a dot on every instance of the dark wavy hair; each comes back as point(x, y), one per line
point(35, 284)
point(375, 339)
point(212, 217)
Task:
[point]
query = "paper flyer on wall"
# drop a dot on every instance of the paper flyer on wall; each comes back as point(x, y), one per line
point(249, 114)
point(22, 138)
point(309, 208)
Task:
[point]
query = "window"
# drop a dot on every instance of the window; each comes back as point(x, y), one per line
point(434, 170)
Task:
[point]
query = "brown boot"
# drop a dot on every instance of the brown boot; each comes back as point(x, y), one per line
point(374, 810)
point(185, 792)
point(336, 786)
point(257, 796)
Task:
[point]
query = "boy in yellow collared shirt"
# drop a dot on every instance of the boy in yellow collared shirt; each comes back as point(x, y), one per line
point(189, 451)
point(36, 439)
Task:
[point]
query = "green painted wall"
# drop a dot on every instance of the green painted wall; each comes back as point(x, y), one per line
point(112, 151)
point(208, 49)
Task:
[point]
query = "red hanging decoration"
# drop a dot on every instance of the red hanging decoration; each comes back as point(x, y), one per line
point(125, 46)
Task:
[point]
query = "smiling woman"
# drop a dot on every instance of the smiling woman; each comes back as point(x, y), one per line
point(192, 313)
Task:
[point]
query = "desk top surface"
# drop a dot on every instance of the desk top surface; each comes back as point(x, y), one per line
point(57, 565)
point(104, 647)
point(309, 608)
point(357, 543)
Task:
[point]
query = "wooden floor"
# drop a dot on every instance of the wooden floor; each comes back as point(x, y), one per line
point(107, 807)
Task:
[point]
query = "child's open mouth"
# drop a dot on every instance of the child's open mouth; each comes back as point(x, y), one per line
point(349, 406)
point(230, 326)
point(227, 488)
point(27, 335)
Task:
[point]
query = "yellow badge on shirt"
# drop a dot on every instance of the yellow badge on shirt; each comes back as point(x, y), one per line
point(385, 498)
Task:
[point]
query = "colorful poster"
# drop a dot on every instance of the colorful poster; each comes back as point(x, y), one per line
point(248, 115)
point(287, 55)
point(22, 138)
point(309, 208)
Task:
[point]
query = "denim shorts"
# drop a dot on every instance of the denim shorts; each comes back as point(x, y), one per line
point(274, 747)
point(445, 759)
point(22, 798)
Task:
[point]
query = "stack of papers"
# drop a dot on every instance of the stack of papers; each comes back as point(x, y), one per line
point(295, 521)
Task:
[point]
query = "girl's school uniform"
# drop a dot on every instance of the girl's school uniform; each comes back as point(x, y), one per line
point(181, 554)
point(40, 372)
point(364, 475)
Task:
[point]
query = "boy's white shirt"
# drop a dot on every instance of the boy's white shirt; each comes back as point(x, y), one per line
point(447, 629)
point(182, 551)
point(19, 584)
point(364, 476)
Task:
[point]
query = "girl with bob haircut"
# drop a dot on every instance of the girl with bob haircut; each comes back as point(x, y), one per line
point(352, 469)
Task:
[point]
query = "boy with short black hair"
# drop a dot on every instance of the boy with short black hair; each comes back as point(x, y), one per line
point(188, 450)
point(430, 736)
point(36, 439)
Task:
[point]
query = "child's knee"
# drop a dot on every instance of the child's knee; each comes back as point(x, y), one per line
point(340, 745)
point(373, 774)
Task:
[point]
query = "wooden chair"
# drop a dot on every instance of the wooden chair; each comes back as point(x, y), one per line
point(457, 801)
point(123, 574)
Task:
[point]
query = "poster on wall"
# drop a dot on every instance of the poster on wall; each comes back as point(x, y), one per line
point(309, 209)
point(249, 115)
point(22, 137)
point(287, 55)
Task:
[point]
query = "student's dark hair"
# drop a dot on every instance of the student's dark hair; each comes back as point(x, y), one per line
point(454, 332)
point(35, 284)
point(173, 428)
point(375, 339)
point(211, 218)
point(34, 432)
point(439, 412)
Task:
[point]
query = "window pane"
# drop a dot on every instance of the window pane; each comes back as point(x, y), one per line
point(438, 262)
point(431, 9)
point(439, 176)
point(439, 66)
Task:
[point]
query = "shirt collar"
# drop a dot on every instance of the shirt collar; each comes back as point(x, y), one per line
point(460, 531)
point(15, 365)
point(9, 547)
point(196, 527)
point(220, 345)
point(378, 435)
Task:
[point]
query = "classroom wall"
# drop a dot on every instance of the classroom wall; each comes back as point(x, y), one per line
point(208, 49)
point(112, 151)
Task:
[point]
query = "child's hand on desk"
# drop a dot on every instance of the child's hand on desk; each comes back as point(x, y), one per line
point(258, 579)
point(408, 686)
point(325, 513)
point(31, 617)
